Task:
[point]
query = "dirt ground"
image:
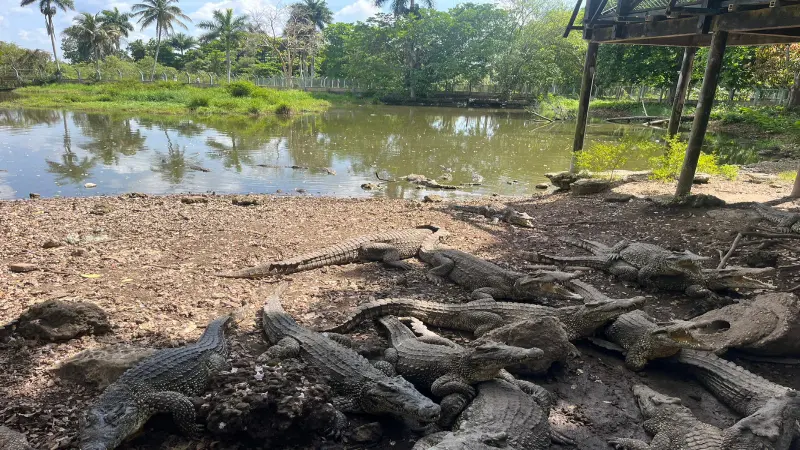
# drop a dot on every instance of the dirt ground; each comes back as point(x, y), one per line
point(156, 256)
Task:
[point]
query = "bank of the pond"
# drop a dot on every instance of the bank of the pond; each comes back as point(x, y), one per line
point(168, 98)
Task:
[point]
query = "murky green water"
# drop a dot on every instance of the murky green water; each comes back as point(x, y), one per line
point(57, 153)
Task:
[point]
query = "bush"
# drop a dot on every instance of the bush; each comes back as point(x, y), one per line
point(788, 175)
point(668, 166)
point(241, 89)
point(198, 102)
point(609, 156)
point(283, 109)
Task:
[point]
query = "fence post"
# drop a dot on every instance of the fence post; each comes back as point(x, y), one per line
point(142, 74)
point(211, 78)
point(119, 71)
point(80, 78)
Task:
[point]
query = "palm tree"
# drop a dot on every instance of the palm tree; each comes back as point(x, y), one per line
point(49, 8)
point(88, 31)
point(163, 13)
point(315, 12)
point(227, 28)
point(118, 24)
point(399, 6)
point(182, 42)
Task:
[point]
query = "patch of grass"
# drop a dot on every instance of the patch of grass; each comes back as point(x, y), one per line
point(283, 109)
point(241, 88)
point(789, 175)
point(773, 119)
point(667, 166)
point(165, 98)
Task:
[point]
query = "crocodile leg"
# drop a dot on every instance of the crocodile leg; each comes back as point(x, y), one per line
point(179, 406)
point(385, 367)
point(542, 396)
point(442, 266)
point(452, 405)
point(285, 348)
point(386, 253)
point(341, 339)
point(452, 384)
point(426, 335)
point(489, 293)
point(628, 444)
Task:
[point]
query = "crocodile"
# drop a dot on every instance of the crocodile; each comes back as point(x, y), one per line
point(506, 413)
point(642, 339)
point(359, 386)
point(390, 248)
point(488, 280)
point(786, 222)
point(481, 316)
point(13, 440)
point(771, 411)
point(500, 213)
point(672, 425)
point(163, 382)
point(448, 371)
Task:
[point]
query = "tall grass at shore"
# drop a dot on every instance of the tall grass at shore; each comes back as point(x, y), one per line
point(168, 98)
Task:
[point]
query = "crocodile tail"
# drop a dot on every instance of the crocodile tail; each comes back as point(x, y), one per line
point(397, 330)
point(252, 272)
point(589, 261)
point(273, 303)
point(215, 331)
point(588, 245)
point(374, 310)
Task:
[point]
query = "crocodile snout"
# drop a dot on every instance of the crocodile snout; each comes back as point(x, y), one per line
point(429, 413)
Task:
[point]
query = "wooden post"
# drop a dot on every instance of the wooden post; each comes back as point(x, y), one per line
point(586, 93)
point(680, 90)
point(796, 188)
point(703, 111)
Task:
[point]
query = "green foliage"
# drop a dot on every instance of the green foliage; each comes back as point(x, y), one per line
point(198, 102)
point(667, 166)
point(611, 156)
point(788, 176)
point(771, 120)
point(283, 109)
point(638, 64)
point(241, 88)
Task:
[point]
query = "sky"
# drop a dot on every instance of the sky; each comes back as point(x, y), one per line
point(25, 26)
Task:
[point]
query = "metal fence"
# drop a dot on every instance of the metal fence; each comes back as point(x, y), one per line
point(752, 95)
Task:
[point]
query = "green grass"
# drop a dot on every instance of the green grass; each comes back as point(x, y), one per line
point(167, 98)
point(787, 176)
point(772, 120)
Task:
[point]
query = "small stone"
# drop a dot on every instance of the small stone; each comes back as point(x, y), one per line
point(369, 433)
point(433, 198)
point(90, 185)
point(542, 186)
point(701, 178)
point(244, 201)
point(615, 197)
point(193, 199)
point(300, 191)
point(588, 186)
point(56, 320)
point(34, 195)
point(101, 209)
point(22, 267)
point(101, 366)
point(370, 186)
point(279, 191)
point(52, 243)
point(79, 252)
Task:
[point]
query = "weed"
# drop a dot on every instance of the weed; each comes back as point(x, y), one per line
point(283, 109)
point(241, 89)
point(787, 176)
point(198, 102)
point(668, 166)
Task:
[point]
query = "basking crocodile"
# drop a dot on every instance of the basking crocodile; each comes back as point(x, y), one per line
point(389, 247)
point(499, 212)
point(448, 371)
point(13, 440)
point(772, 411)
point(665, 270)
point(787, 222)
point(488, 280)
point(641, 339)
point(672, 425)
point(480, 316)
point(359, 386)
point(162, 382)
point(507, 413)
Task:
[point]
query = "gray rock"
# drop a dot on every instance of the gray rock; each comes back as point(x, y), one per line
point(52, 243)
point(369, 433)
point(562, 180)
point(701, 178)
point(34, 195)
point(22, 267)
point(542, 186)
point(615, 197)
point(101, 366)
point(56, 320)
point(759, 178)
point(433, 198)
point(588, 186)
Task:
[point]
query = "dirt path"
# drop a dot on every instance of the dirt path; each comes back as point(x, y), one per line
point(155, 258)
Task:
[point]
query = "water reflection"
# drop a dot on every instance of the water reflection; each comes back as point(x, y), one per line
point(56, 153)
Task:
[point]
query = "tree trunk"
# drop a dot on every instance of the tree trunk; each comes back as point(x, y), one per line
point(796, 188)
point(313, 64)
point(48, 21)
point(228, 60)
point(731, 95)
point(158, 47)
point(794, 92)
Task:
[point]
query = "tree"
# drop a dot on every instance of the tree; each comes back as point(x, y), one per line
point(89, 33)
point(49, 9)
point(315, 12)
point(182, 42)
point(227, 28)
point(117, 23)
point(779, 66)
point(403, 7)
point(164, 14)
point(137, 49)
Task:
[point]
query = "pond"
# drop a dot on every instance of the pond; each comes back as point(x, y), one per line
point(56, 153)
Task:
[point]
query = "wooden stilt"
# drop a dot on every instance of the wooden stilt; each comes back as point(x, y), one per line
point(680, 90)
point(703, 112)
point(586, 93)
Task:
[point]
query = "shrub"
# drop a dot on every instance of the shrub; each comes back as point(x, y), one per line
point(241, 89)
point(788, 175)
point(668, 166)
point(610, 156)
point(283, 109)
point(198, 102)
point(253, 110)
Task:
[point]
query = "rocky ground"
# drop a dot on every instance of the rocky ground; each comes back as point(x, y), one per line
point(149, 264)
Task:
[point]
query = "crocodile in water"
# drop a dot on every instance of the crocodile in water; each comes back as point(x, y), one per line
point(359, 386)
point(488, 280)
point(390, 247)
point(448, 371)
point(162, 382)
point(500, 213)
point(672, 425)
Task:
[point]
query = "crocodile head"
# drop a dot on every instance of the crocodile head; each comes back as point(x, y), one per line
point(586, 318)
point(774, 426)
point(669, 339)
point(520, 219)
point(651, 402)
point(110, 421)
point(472, 440)
point(400, 398)
point(487, 358)
point(686, 261)
point(544, 284)
point(735, 278)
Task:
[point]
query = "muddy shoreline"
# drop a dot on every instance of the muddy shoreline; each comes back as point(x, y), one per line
point(156, 256)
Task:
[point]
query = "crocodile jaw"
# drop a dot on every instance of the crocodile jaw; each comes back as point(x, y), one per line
point(488, 358)
point(114, 418)
point(650, 401)
point(544, 284)
point(400, 398)
point(775, 425)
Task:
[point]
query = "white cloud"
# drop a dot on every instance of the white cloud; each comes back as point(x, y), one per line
point(22, 10)
point(360, 10)
point(1, 20)
point(206, 11)
point(122, 6)
point(24, 35)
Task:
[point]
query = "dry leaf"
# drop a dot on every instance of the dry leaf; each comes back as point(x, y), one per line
point(126, 280)
point(91, 275)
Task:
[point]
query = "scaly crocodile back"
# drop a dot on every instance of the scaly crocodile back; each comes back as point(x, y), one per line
point(740, 389)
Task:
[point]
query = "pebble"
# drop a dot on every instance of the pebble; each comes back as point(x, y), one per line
point(52, 243)
point(618, 198)
point(542, 186)
point(90, 185)
point(432, 198)
point(193, 199)
point(22, 267)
